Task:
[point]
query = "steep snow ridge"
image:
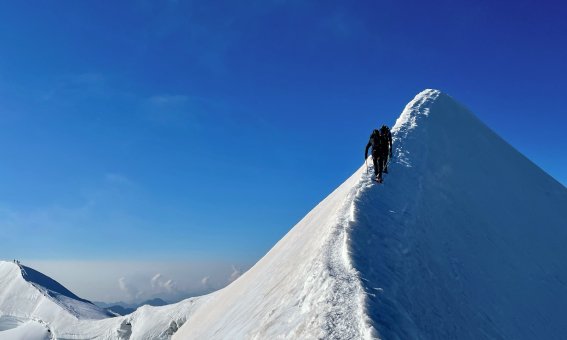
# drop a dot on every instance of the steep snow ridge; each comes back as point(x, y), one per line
point(304, 288)
point(465, 239)
point(80, 308)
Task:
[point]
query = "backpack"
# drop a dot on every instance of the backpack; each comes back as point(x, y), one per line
point(386, 134)
point(376, 140)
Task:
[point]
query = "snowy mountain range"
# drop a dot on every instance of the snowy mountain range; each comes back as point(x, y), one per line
point(465, 239)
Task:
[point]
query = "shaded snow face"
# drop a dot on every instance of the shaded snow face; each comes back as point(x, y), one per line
point(466, 238)
point(28, 294)
point(52, 287)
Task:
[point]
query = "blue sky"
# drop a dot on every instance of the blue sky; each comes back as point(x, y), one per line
point(204, 130)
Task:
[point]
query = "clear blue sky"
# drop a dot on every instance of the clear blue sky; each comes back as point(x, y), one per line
point(206, 129)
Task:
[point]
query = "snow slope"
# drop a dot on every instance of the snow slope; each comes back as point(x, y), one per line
point(27, 330)
point(465, 240)
point(29, 295)
point(304, 288)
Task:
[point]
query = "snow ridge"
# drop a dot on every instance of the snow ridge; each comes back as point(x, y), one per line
point(347, 318)
point(465, 238)
point(305, 287)
point(58, 294)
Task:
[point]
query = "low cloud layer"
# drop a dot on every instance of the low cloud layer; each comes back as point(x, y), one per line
point(135, 282)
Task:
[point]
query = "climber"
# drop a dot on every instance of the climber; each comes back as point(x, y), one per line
point(386, 136)
point(379, 149)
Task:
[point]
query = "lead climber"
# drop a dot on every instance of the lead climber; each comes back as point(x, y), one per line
point(386, 135)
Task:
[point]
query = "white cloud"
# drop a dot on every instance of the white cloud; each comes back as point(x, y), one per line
point(160, 284)
point(169, 285)
point(130, 291)
point(155, 279)
point(235, 274)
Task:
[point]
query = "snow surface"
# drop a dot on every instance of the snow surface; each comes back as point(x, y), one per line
point(304, 288)
point(464, 240)
point(27, 330)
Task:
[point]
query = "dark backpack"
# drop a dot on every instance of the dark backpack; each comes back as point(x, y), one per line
point(376, 140)
point(386, 135)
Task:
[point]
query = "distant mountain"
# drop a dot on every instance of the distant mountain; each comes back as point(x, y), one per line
point(28, 295)
point(123, 308)
point(119, 310)
point(154, 302)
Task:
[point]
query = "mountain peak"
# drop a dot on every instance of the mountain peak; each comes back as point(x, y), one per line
point(51, 287)
point(27, 292)
point(464, 240)
point(422, 105)
point(464, 230)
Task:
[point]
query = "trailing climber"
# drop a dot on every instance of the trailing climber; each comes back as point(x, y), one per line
point(386, 135)
point(379, 149)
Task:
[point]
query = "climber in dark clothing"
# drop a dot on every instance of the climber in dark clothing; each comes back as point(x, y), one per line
point(379, 148)
point(386, 136)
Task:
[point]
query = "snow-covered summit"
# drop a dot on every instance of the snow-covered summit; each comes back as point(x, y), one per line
point(466, 238)
point(33, 304)
point(43, 296)
point(463, 241)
